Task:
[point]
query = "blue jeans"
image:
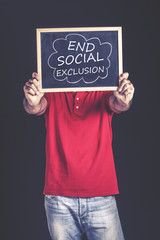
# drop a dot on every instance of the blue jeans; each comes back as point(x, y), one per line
point(69, 217)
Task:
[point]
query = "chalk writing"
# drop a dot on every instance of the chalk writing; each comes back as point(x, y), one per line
point(76, 58)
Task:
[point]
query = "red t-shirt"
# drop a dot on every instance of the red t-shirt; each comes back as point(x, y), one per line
point(79, 158)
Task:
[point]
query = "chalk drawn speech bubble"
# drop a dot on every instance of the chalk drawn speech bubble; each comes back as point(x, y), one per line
point(76, 58)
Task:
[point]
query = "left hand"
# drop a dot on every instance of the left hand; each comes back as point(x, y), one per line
point(125, 91)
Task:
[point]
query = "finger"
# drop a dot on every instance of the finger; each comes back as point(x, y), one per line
point(36, 76)
point(122, 84)
point(123, 76)
point(28, 90)
point(128, 93)
point(126, 86)
point(36, 83)
point(31, 85)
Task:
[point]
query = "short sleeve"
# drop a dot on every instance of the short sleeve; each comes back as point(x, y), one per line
point(108, 94)
point(47, 97)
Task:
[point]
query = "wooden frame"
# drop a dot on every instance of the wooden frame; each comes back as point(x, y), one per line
point(92, 36)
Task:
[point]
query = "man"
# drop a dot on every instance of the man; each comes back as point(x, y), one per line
point(80, 179)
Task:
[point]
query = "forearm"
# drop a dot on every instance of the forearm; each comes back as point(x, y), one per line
point(37, 109)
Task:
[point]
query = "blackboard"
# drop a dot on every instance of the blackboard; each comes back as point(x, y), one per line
point(79, 59)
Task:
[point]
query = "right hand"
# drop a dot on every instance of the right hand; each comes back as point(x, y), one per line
point(32, 90)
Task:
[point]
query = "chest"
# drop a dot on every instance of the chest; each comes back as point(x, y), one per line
point(79, 103)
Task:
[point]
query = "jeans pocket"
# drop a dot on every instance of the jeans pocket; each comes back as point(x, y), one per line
point(49, 200)
point(110, 199)
point(50, 197)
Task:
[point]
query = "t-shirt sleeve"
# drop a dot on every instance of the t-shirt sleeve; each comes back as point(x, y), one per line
point(108, 94)
point(48, 98)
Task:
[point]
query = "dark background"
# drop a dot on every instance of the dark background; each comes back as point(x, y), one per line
point(135, 133)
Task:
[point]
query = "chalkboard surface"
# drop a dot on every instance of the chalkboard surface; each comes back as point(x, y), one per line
point(79, 59)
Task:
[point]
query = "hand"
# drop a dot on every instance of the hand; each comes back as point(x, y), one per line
point(32, 90)
point(125, 91)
